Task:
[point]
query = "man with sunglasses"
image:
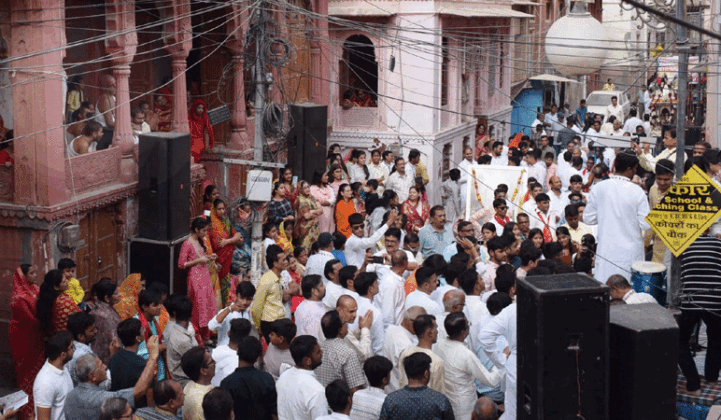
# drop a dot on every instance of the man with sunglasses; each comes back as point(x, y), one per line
point(357, 244)
point(500, 219)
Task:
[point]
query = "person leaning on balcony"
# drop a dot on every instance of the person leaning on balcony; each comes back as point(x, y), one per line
point(87, 142)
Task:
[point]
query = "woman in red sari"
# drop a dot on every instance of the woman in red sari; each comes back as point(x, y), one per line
point(344, 207)
point(26, 344)
point(417, 211)
point(163, 109)
point(53, 305)
point(201, 132)
point(223, 238)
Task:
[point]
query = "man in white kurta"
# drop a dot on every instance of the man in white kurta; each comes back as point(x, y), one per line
point(463, 367)
point(619, 208)
point(503, 325)
point(466, 174)
point(397, 339)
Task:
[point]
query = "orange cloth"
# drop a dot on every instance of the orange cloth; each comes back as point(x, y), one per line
point(128, 290)
point(343, 209)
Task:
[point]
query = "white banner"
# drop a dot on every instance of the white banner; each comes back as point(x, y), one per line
point(485, 179)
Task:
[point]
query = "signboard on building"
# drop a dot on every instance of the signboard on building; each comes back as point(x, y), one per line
point(687, 210)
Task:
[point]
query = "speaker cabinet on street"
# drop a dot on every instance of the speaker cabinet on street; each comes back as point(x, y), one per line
point(562, 348)
point(644, 356)
point(164, 184)
point(307, 139)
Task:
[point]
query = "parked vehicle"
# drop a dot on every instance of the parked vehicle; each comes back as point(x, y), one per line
point(599, 100)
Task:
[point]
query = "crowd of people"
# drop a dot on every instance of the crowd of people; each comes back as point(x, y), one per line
point(373, 304)
point(90, 125)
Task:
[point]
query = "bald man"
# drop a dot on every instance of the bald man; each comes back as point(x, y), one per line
point(106, 102)
point(399, 338)
point(485, 409)
point(359, 337)
point(453, 301)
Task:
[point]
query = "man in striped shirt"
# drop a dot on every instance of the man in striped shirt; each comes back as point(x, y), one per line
point(701, 300)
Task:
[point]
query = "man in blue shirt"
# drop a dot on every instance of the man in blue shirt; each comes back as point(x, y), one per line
point(435, 236)
point(581, 113)
point(416, 400)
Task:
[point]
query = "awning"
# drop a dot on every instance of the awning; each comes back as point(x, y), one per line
point(360, 8)
point(524, 3)
point(479, 10)
point(552, 78)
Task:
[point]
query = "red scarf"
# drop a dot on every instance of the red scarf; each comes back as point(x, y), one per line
point(547, 235)
point(502, 222)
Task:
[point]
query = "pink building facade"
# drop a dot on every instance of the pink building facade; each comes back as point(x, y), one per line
point(44, 194)
point(435, 69)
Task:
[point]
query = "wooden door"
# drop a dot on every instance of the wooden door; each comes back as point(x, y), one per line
point(97, 256)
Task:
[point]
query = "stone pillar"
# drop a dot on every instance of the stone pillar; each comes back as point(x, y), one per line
point(239, 138)
point(120, 18)
point(320, 88)
point(177, 38)
point(180, 93)
point(37, 25)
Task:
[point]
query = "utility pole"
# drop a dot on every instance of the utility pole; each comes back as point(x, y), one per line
point(256, 255)
point(682, 48)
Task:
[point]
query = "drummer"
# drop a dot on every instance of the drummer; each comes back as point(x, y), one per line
point(621, 289)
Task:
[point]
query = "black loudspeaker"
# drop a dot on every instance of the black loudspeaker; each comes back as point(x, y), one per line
point(164, 185)
point(158, 261)
point(562, 348)
point(307, 139)
point(644, 356)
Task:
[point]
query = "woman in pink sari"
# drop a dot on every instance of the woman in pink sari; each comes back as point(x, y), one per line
point(196, 257)
point(323, 192)
point(26, 344)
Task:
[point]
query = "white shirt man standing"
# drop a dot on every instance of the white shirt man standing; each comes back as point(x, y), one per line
point(614, 109)
point(391, 297)
point(311, 310)
point(316, 262)
point(300, 395)
point(427, 282)
point(398, 338)
point(356, 245)
point(53, 382)
point(619, 208)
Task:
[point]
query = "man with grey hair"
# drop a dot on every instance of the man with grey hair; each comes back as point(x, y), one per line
point(397, 339)
point(453, 301)
point(115, 408)
point(485, 409)
point(85, 400)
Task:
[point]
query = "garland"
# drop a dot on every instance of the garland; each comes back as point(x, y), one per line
point(518, 185)
point(475, 186)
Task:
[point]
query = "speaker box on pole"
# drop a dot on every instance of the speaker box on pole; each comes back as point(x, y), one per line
point(307, 139)
point(562, 348)
point(644, 356)
point(164, 185)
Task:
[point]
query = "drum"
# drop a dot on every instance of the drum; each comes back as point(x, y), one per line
point(650, 277)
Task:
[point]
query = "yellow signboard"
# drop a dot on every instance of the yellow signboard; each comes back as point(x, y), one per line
point(687, 210)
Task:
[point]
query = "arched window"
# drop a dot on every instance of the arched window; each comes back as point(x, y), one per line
point(358, 73)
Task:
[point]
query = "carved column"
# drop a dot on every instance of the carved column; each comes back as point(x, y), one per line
point(320, 89)
point(178, 42)
point(120, 18)
point(39, 170)
point(239, 139)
